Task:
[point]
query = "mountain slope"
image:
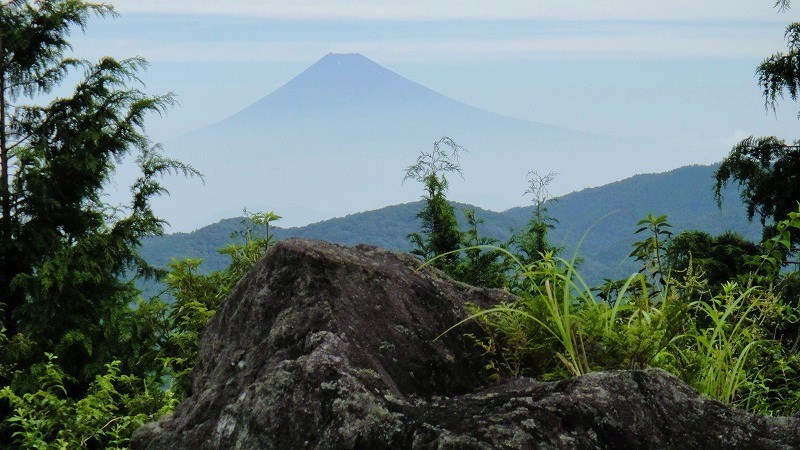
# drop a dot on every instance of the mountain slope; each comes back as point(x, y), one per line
point(338, 136)
point(607, 215)
point(351, 88)
point(599, 222)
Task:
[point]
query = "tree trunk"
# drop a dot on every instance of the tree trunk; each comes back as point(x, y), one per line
point(6, 247)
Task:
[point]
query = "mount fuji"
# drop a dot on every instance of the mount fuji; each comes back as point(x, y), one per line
point(336, 139)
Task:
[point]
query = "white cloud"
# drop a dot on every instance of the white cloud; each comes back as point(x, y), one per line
point(445, 10)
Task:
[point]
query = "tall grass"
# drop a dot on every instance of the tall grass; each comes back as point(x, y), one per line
point(554, 298)
point(735, 342)
point(721, 350)
point(558, 327)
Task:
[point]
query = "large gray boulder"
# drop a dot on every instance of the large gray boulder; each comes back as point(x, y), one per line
point(323, 346)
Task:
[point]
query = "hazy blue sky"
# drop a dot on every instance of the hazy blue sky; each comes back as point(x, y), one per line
point(677, 71)
point(680, 73)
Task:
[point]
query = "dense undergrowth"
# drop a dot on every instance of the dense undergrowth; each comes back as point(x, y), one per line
point(736, 341)
point(44, 412)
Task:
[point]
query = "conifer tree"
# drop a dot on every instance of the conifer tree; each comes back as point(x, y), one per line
point(768, 168)
point(440, 234)
point(532, 242)
point(63, 251)
point(484, 267)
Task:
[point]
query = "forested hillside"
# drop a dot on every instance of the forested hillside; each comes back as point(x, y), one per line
point(606, 215)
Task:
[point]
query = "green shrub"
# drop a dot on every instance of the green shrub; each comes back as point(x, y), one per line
point(557, 327)
point(735, 342)
point(197, 297)
point(114, 406)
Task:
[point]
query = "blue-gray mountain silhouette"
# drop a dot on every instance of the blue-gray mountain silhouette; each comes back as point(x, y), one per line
point(336, 138)
point(341, 93)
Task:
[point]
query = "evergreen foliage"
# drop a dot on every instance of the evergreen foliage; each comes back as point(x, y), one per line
point(196, 298)
point(767, 167)
point(778, 73)
point(76, 340)
point(608, 212)
point(43, 413)
point(769, 172)
point(533, 243)
point(114, 406)
point(440, 234)
point(482, 263)
point(735, 342)
point(62, 250)
point(721, 258)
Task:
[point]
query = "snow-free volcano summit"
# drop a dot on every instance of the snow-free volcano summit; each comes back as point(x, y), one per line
point(337, 137)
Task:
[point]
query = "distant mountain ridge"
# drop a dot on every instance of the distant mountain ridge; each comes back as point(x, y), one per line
point(599, 222)
point(338, 136)
point(366, 87)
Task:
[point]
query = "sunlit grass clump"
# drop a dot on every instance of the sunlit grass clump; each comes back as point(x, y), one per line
point(732, 342)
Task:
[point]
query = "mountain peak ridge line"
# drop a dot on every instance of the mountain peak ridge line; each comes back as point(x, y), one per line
point(338, 79)
point(336, 138)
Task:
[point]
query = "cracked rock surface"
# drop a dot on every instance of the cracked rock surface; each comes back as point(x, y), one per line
point(323, 346)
